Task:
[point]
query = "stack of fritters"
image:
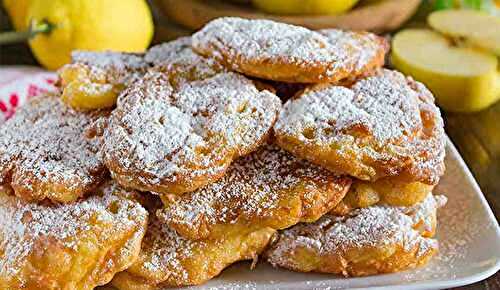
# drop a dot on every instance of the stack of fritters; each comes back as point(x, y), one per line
point(189, 150)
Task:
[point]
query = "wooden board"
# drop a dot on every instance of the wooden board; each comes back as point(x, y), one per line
point(384, 15)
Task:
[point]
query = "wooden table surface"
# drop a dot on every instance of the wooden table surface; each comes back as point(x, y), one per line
point(477, 137)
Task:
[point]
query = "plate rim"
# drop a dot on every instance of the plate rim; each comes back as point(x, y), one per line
point(421, 285)
point(467, 280)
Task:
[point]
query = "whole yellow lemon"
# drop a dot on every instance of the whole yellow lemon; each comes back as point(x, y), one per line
point(17, 11)
point(118, 25)
point(304, 6)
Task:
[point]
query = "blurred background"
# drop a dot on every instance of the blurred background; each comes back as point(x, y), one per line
point(453, 46)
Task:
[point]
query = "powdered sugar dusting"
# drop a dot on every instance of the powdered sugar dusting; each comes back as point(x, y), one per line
point(45, 143)
point(181, 62)
point(267, 42)
point(466, 231)
point(252, 190)
point(392, 114)
point(167, 259)
point(24, 226)
point(160, 132)
point(356, 49)
point(384, 105)
point(109, 59)
point(171, 51)
point(263, 39)
point(106, 71)
point(374, 226)
point(163, 250)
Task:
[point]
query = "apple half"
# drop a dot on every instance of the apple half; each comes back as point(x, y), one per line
point(476, 27)
point(462, 79)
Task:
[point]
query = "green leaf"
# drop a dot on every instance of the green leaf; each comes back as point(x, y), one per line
point(473, 4)
point(443, 4)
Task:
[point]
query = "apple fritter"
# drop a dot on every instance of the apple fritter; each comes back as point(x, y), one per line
point(386, 125)
point(268, 188)
point(167, 259)
point(174, 139)
point(80, 245)
point(93, 80)
point(181, 63)
point(368, 241)
point(283, 52)
point(50, 151)
point(383, 191)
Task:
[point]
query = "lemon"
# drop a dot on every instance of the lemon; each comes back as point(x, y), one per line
point(304, 6)
point(17, 11)
point(118, 25)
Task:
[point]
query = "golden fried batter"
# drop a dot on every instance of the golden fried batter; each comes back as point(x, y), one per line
point(268, 188)
point(288, 53)
point(383, 191)
point(69, 246)
point(172, 140)
point(182, 64)
point(373, 240)
point(384, 125)
point(45, 151)
point(167, 259)
point(93, 80)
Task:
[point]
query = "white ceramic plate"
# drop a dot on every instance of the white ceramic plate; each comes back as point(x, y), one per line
point(469, 238)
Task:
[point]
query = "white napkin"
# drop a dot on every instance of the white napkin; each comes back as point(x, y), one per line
point(20, 83)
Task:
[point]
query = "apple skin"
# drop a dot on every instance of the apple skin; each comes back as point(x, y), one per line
point(313, 7)
point(454, 92)
point(476, 27)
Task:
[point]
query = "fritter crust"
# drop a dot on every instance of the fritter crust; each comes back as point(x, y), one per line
point(368, 241)
point(268, 188)
point(69, 246)
point(383, 191)
point(383, 126)
point(48, 150)
point(182, 64)
point(173, 140)
point(167, 259)
point(288, 53)
point(93, 80)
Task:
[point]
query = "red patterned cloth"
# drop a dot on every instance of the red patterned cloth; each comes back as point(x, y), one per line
point(20, 83)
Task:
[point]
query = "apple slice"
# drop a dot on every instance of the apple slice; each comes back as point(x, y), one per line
point(304, 6)
point(462, 78)
point(478, 28)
